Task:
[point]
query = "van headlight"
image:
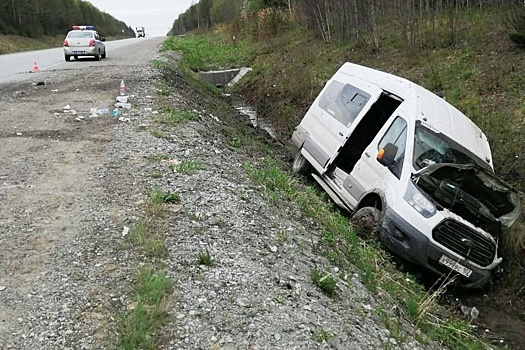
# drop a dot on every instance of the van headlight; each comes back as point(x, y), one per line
point(419, 201)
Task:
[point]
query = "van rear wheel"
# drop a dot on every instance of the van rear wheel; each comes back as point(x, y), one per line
point(301, 165)
point(365, 222)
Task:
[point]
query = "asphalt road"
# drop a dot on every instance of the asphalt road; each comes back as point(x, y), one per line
point(18, 66)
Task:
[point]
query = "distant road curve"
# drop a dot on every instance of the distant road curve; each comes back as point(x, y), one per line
point(19, 65)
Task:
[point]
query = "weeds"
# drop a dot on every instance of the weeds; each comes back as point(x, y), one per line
point(158, 157)
point(137, 328)
point(158, 197)
point(188, 167)
point(235, 142)
point(323, 335)
point(324, 281)
point(144, 235)
point(159, 134)
point(205, 258)
point(173, 117)
point(156, 175)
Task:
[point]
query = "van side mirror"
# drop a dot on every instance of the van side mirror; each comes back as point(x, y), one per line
point(387, 154)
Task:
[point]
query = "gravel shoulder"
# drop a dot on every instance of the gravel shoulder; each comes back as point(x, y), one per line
point(69, 188)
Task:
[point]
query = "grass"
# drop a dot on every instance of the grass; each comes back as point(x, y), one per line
point(158, 157)
point(146, 236)
point(156, 174)
point(138, 327)
point(159, 134)
point(325, 282)
point(322, 335)
point(209, 52)
point(205, 258)
point(188, 167)
point(158, 196)
point(171, 117)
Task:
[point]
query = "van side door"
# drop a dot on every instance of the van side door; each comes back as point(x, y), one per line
point(333, 116)
point(369, 174)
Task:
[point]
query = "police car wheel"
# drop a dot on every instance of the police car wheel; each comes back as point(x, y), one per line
point(97, 57)
point(67, 58)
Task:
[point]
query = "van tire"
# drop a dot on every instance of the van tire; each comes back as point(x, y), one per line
point(300, 165)
point(365, 222)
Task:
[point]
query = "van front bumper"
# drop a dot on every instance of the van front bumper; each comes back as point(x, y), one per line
point(406, 241)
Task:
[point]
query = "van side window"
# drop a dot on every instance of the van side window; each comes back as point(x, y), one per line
point(343, 101)
point(397, 135)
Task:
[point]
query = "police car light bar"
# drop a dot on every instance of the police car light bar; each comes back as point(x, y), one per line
point(83, 27)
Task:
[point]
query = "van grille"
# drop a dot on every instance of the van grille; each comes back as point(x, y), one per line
point(450, 233)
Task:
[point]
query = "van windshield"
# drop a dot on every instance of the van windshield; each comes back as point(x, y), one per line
point(432, 147)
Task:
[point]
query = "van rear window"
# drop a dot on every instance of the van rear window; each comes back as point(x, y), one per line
point(343, 101)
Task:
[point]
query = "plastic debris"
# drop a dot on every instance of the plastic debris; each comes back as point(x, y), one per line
point(473, 312)
point(66, 108)
point(103, 111)
point(170, 161)
point(54, 90)
point(123, 105)
point(116, 112)
point(125, 231)
point(122, 99)
point(122, 88)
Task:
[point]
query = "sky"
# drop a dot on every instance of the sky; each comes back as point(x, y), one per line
point(156, 16)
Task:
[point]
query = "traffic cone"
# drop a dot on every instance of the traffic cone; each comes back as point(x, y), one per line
point(35, 68)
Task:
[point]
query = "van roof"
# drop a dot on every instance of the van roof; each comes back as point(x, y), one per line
point(421, 104)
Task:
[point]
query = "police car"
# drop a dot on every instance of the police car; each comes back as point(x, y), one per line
point(84, 41)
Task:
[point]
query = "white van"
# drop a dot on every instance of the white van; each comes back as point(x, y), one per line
point(389, 150)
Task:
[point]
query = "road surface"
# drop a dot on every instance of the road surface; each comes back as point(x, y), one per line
point(19, 65)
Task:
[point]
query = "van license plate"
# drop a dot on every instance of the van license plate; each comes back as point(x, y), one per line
point(451, 264)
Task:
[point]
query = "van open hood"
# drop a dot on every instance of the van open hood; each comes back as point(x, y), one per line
point(472, 192)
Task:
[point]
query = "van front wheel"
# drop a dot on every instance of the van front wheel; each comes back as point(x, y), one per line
point(301, 165)
point(365, 222)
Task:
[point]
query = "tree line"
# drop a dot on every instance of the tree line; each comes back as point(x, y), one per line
point(36, 18)
point(415, 23)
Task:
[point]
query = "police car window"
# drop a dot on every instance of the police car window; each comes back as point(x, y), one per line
point(343, 101)
point(80, 35)
point(397, 135)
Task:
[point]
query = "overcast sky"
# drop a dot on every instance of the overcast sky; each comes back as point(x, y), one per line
point(156, 16)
